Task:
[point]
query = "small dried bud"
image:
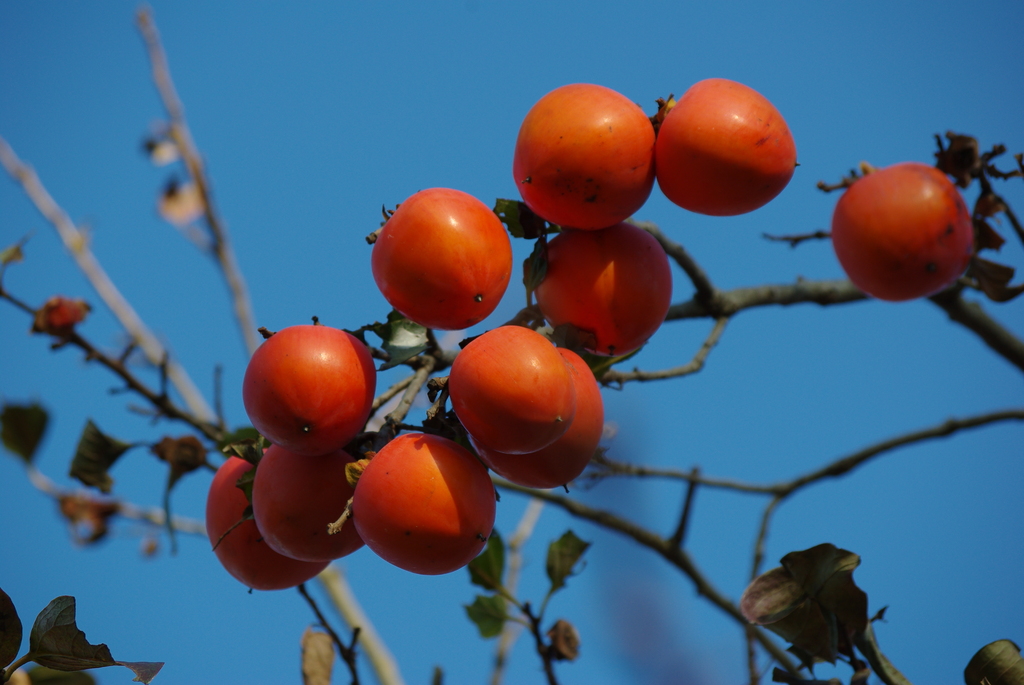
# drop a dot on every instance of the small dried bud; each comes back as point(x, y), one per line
point(184, 454)
point(87, 516)
point(59, 316)
point(565, 641)
point(181, 204)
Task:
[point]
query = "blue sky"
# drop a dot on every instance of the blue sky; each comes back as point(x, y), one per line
point(310, 117)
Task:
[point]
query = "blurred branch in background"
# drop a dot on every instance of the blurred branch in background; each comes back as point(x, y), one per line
point(179, 134)
point(77, 243)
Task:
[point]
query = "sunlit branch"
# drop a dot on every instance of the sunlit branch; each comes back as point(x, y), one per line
point(78, 244)
point(381, 660)
point(674, 555)
point(693, 366)
point(182, 138)
point(728, 302)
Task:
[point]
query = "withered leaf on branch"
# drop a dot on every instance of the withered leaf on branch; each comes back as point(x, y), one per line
point(95, 454)
point(184, 454)
point(997, 663)
point(994, 279)
point(56, 642)
point(180, 203)
point(317, 657)
point(59, 315)
point(960, 159)
point(10, 630)
point(22, 427)
point(87, 516)
point(811, 601)
point(565, 640)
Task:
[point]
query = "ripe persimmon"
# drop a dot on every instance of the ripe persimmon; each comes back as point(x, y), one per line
point(585, 157)
point(614, 285)
point(309, 388)
point(295, 496)
point(443, 259)
point(567, 457)
point(902, 232)
point(512, 391)
point(241, 548)
point(425, 504)
point(723, 149)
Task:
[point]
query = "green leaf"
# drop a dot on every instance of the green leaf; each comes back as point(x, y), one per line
point(535, 267)
point(95, 454)
point(41, 675)
point(10, 631)
point(402, 339)
point(563, 554)
point(997, 663)
point(238, 435)
point(22, 428)
point(599, 364)
point(508, 212)
point(56, 642)
point(489, 614)
point(488, 569)
point(771, 597)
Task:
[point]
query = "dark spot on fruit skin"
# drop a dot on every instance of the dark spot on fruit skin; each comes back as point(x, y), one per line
point(528, 179)
point(949, 229)
point(592, 198)
point(931, 267)
point(478, 297)
point(762, 141)
point(408, 532)
point(307, 428)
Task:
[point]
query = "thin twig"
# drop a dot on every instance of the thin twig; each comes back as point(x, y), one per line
point(684, 517)
point(347, 652)
point(706, 291)
point(511, 629)
point(182, 138)
point(797, 238)
point(850, 462)
point(160, 401)
point(385, 668)
point(543, 648)
point(77, 244)
point(419, 379)
point(674, 555)
point(731, 301)
point(692, 366)
point(973, 317)
point(153, 515)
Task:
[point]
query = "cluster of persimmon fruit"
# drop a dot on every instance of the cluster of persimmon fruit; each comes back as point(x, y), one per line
point(586, 159)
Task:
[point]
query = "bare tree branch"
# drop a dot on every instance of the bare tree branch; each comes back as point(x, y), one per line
point(729, 302)
point(77, 244)
point(972, 316)
point(182, 138)
point(381, 660)
point(159, 400)
point(674, 555)
point(692, 366)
